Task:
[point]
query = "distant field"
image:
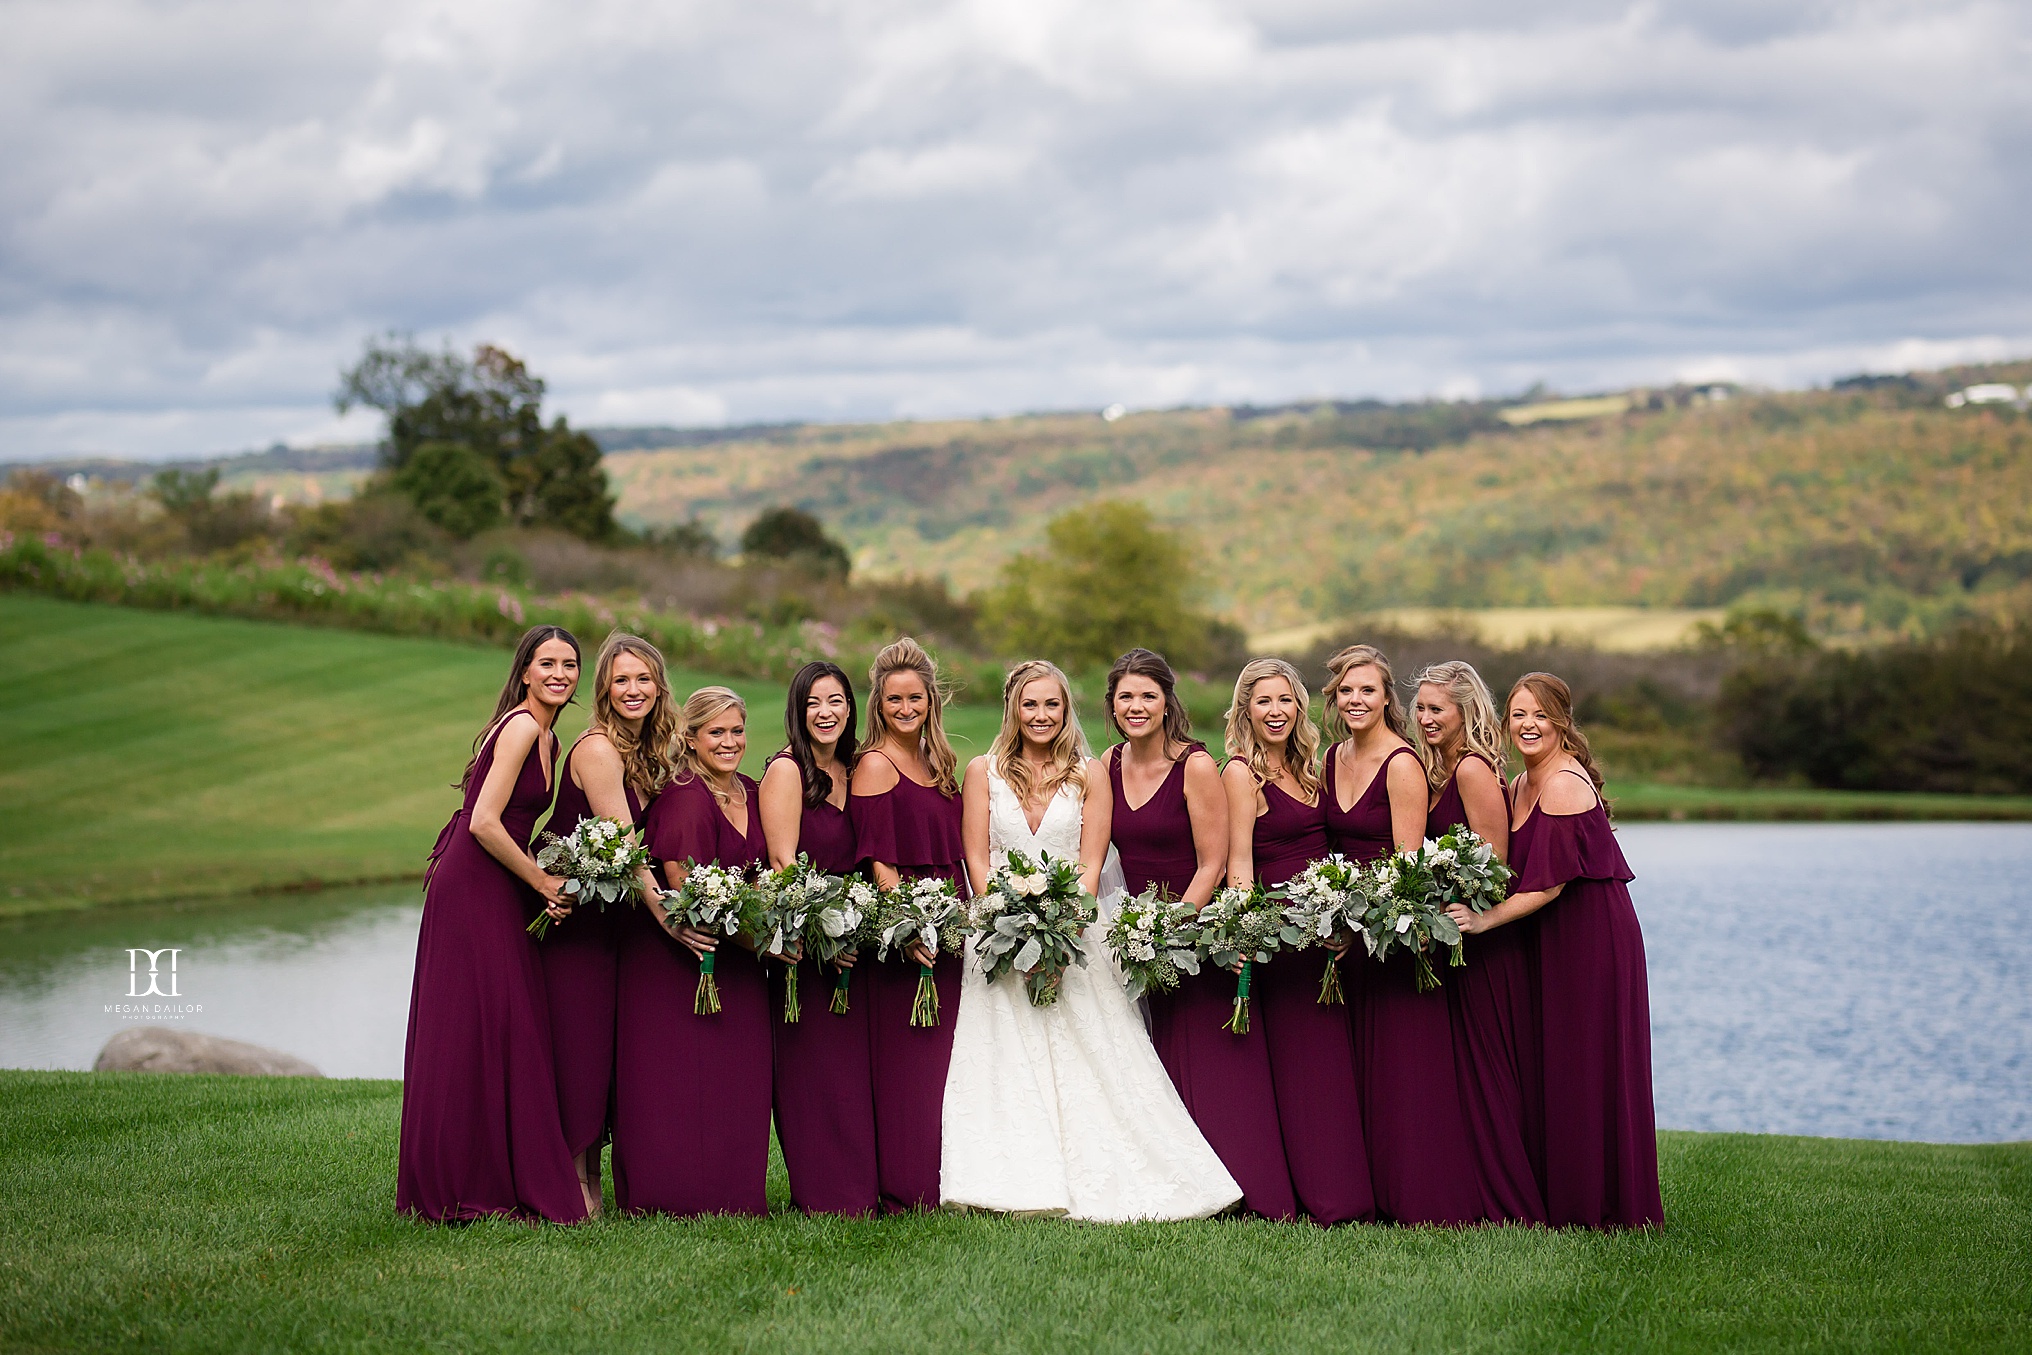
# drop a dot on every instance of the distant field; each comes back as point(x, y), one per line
point(1617, 629)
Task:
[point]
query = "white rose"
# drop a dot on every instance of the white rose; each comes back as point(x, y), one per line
point(1404, 924)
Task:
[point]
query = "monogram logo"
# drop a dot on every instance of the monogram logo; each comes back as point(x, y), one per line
point(155, 973)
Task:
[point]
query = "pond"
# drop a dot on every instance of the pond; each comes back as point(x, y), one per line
point(1868, 981)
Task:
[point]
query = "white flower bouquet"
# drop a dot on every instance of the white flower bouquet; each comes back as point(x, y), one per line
point(1403, 912)
point(1155, 939)
point(806, 903)
point(1030, 921)
point(1245, 926)
point(714, 900)
point(927, 912)
point(1325, 901)
point(601, 861)
point(1466, 870)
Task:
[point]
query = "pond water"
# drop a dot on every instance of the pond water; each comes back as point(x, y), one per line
point(1869, 981)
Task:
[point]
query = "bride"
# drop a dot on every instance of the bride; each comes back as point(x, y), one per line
point(1062, 1109)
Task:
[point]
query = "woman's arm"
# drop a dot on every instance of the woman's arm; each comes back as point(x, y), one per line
point(1241, 796)
point(782, 808)
point(1481, 793)
point(1097, 825)
point(597, 770)
point(1408, 791)
point(511, 749)
point(1206, 804)
point(974, 819)
point(1509, 910)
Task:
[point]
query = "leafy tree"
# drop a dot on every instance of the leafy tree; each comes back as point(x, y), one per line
point(693, 539)
point(454, 486)
point(795, 536)
point(211, 522)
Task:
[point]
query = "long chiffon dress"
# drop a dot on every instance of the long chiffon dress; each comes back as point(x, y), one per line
point(691, 1092)
point(916, 829)
point(1312, 1057)
point(825, 1096)
point(1223, 1079)
point(581, 973)
point(480, 1132)
point(1494, 1007)
point(1601, 1141)
point(1420, 1156)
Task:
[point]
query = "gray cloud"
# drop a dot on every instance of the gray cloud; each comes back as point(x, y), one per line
point(703, 211)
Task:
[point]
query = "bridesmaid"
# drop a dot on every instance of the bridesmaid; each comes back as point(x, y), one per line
point(691, 1093)
point(1491, 1002)
point(1171, 829)
point(1420, 1157)
point(614, 769)
point(1276, 827)
point(480, 1132)
point(1601, 1143)
point(906, 815)
point(825, 1100)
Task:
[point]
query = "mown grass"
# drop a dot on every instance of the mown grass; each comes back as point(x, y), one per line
point(214, 1214)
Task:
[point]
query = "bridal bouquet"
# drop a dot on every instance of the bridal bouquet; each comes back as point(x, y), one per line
point(776, 911)
point(1155, 938)
point(1404, 912)
point(1465, 869)
point(925, 912)
point(1245, 925)
point(600, 860)
point(858, 914)
point(1324, 901)
point(817, 913)
point(714, 899)
point(1030, 920)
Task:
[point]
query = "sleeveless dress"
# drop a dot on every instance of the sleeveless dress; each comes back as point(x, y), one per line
point(1495, 1049)
point(1421, 1160)
point(581, 968)
point(691, 1093)
point(1223, 1079)
point(480, 1132)
point(917, 830)
point(825, 1101)
point(1067, 1109)
point(1601, 1140)
point(1312, 1057)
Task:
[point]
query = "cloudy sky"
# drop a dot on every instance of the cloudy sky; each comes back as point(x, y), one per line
point(700, 211)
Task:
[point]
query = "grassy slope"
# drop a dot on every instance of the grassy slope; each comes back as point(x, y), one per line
point(211, 1214)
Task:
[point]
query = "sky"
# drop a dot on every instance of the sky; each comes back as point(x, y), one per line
point(691, 212)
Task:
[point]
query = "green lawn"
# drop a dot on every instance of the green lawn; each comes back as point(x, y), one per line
point(197, 1214)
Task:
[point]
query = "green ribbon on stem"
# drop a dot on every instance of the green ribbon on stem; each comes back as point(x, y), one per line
point(1239, 1022)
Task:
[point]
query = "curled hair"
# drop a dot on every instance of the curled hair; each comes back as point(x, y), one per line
point(1557, 699)
point(699, 710)
point(818, 784)
point(1481, 730)
point(1337, 667)
point(515, 691)
point(646, 761)
point(1301, 747)
point(1068, 751)
point(1149, 664)
point(908, 656)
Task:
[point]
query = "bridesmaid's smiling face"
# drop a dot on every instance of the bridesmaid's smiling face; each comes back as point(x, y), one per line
point(1359, 697)
point(1139, 706)
point(631, 687)
point(1273, 711)
point(553, 673)
point(1439, 719)
point(905, 703)
point(1040, 710)
point(1530, 727)
point(722, 742)
point(825, 713)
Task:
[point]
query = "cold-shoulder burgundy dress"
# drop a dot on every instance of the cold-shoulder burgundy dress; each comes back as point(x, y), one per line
point(691, 1093)
point(916, 829)
point(1223, 1079)
point(581, 972)
point(480, 1132)
point(1601, 1140)
point(825, 1096)
point(1312, 1061)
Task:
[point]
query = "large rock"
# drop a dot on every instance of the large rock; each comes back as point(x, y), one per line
point(157, 1049)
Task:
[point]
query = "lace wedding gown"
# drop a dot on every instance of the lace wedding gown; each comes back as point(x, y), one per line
point(1066, 1109)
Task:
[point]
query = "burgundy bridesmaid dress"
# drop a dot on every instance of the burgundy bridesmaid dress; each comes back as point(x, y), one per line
point(1312, 1057)
point(1223, 1079)
point(825, 1095)
point(691, 1093)
point(581, 971)
point(1494, 1007)
point(917, 830)
point(480, 1132)
point(1601, 1141)
point(1420, 1153)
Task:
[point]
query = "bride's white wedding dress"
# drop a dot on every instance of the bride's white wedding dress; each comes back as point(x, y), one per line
point(1066, 1108)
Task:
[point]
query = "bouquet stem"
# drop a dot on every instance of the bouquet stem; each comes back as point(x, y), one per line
point(791, 1010)
point(707, 1000)
point(1330, 983)
point(1239, 1023)
point(1427, 980)
point(924, 1011)
point(540, 928)
point(841, 998)
point(1460, 956)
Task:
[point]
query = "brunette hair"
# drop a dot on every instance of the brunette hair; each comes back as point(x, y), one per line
point(908, 656)
point(1557, 699)
point(646, 762)
point(699, 708)
point(1150, 664)
point(1068, 751)
point(818, 785)
point(1337, 667)
point(1301, 747)
point(1481, 730)
point(515, 691)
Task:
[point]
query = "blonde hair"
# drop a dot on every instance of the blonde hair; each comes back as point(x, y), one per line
point(1069, 752)
point(699, 709)
point(1337, 667)
point(1481, 729)
point(908, 656)
point(1303, 740)
point(1557, 699)
point(647, 763)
